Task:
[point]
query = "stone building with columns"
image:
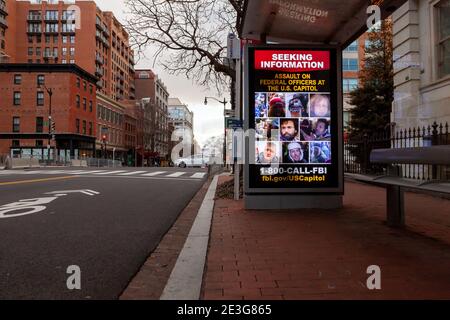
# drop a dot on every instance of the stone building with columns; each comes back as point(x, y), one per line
point(421, 40)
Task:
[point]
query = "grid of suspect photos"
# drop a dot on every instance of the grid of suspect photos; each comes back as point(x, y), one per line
point(292, 128)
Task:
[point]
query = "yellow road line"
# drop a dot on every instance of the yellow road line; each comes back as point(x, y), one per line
point(36, 180)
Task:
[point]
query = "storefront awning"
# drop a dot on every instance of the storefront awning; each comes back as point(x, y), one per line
point(309, 21)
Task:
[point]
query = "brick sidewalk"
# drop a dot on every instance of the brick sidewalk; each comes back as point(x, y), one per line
point(320, 254)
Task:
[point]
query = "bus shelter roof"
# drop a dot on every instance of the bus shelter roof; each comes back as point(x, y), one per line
point(309, 21)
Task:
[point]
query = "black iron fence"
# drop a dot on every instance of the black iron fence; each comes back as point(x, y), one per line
point(357, 151)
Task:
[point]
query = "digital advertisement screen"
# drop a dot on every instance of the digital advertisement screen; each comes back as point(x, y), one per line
point(293, 112)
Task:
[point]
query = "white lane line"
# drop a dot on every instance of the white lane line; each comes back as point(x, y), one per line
point(110, 172)
point(198, 175)
point(131, 173)
point(151, 174)
point(175, 175)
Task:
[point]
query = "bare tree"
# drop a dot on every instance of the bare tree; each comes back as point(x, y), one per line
point(190, 35)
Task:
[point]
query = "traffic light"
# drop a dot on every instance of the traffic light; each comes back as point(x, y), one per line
point(104, 137)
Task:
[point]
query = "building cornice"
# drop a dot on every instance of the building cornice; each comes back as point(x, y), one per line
point(47, 68)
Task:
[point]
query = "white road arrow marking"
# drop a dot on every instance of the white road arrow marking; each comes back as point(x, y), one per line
point(86, 192)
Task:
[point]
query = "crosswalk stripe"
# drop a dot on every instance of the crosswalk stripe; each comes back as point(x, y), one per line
point(110, 172)
point(131, 173)
point(198, 175)
point(151, 174)
point(87, 172)
point(176, 174)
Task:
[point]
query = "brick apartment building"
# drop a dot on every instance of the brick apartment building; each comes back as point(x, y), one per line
point(79, 41)
point(25, 110)
point(155, 99)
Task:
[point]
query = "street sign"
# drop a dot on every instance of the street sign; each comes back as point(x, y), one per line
point(229, 113)
point(233, 123)
point(233, 47)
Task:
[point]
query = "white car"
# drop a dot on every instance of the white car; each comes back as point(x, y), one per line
point(193, 161)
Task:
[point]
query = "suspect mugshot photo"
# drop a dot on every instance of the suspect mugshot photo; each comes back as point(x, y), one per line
point(295, 152)
point(320, 152)
point(277, 105)
point(267, 152)
point(267, 129)
point(289, 129)
point(319, 105)
point(297, 105)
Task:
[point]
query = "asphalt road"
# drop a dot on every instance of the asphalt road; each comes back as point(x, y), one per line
point(108, 231)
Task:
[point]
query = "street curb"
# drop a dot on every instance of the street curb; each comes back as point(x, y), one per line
point(185, 281)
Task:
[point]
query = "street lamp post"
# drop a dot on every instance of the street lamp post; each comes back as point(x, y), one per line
point(50, 133)
point(224, 102)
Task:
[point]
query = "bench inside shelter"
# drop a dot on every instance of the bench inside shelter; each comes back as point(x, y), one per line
point(396, 184)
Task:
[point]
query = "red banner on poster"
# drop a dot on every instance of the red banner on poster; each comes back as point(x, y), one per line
point(292, 61)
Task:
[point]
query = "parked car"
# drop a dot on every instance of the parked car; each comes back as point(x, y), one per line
point(193, 161)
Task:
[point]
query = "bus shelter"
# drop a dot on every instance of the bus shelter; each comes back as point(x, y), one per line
point(293, 98)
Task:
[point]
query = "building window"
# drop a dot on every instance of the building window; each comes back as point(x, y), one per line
point(84, 85)
point(64, 51)
point(38, 51)
point(443, 18)
point(40, 98)
point(51, 15)
point(77, 125)
point(47, 39)
point(72, 51)
point(84, 104)
point(72, 38)
point(84, 126)
point(78, 82)
point(39, 124)
point(77, 100)
point(30, 51)
point(350, 64)
point(17, 79)
point(17, 96)
point(91, 133)
point(39, 143)
point(40, 80)
point(16, 124)
point(90, 89)
point(16, 143)
point(64, 39)
point(63, 61)
point(51, 27)
point(90, 106)
point(350, 84)
point(30, 39)
point(55, 39)
point(353, 47)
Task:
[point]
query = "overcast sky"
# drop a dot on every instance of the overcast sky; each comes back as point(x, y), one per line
point(208, 120)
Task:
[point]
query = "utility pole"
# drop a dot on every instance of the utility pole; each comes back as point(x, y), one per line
point(50, 122)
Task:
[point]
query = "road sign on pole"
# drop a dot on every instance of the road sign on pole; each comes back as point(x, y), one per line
point(233, 123)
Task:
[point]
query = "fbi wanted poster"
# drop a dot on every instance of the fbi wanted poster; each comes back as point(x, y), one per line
point(294, 116)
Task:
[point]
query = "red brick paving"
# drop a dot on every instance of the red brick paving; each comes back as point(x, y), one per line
point(324, 254)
